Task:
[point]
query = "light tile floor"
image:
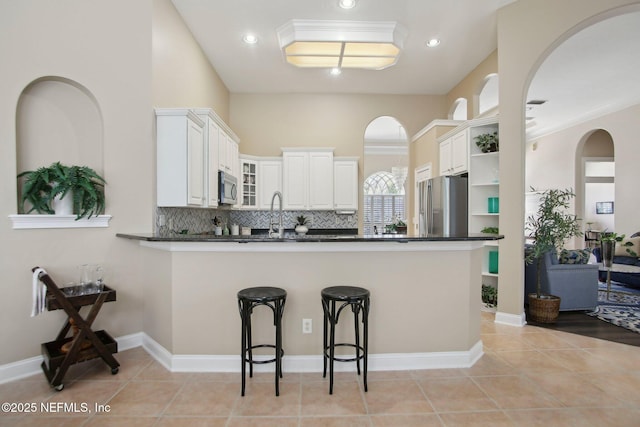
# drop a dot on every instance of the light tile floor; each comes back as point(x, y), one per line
point(528, 377)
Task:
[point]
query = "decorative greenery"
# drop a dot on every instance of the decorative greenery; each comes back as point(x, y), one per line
point(489, 295)
point(46, 183)
point(490, 230)
point(395, 225)
point(487, 142)
point(550, 227)
point(613, 237)
point(302, 220)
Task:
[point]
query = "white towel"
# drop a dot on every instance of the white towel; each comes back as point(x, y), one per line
point(39, 292)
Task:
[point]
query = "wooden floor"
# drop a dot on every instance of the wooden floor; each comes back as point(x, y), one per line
point(577, 322)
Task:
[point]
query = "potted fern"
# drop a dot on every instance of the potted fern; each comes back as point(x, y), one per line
point(549, 228)
point(81, 185)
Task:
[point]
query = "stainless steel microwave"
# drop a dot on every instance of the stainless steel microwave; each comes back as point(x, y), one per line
point(228, 189)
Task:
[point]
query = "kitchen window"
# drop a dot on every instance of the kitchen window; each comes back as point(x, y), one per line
point(384, 202)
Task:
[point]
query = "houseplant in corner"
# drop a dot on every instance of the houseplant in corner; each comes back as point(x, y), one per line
point(549, 227)
point(81, 184)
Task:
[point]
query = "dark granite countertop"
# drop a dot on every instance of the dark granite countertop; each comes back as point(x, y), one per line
point(292, 237)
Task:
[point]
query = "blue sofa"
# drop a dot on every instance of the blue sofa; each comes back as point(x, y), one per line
point(575, 284)
point(631, 280)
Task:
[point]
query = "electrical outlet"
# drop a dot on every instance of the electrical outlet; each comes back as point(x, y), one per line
point(306, 326)
point(161, 220)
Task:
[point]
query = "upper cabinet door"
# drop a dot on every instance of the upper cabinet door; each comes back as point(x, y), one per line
point(270, 181)
point(445, 157)
point(460, 152)
point(295, 179)
point(180, 158)
point(345, 184)
point(196, 164)
point(320, 180)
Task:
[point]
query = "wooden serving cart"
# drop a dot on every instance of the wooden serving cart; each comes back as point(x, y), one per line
point(84, 344)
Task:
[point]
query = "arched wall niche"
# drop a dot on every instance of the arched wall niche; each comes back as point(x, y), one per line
point(58, 119)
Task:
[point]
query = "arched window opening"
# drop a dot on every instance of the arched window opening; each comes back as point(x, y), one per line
point(459, 109)
point(384, 202)
point(488, 97)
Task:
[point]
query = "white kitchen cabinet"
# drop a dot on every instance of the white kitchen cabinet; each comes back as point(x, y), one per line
point(181, 161)
point(459, 152)
point(345, 184)
point(308, 179)
point(221, 152)
point(228, 152)
point(445, 157)
point(454, 154)
point(248, 182)
point(269, 180)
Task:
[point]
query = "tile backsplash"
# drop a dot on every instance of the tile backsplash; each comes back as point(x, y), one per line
point(197, 220)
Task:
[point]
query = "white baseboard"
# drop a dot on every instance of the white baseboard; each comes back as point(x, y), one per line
point(227, 363)
point(511, 319)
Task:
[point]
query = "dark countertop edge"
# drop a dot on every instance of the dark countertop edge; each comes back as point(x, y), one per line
point(148, 237)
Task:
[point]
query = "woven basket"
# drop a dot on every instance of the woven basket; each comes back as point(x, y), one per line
point(544, 309)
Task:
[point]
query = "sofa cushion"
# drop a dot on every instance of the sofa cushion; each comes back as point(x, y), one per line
point(632, 244)
point(574, 256)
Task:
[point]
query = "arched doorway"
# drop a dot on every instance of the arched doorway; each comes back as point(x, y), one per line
point(386, 161)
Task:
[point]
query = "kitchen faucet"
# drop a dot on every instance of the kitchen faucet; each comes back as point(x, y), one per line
point(272, 232)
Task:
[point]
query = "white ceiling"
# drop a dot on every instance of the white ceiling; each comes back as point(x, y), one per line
point(594, 71)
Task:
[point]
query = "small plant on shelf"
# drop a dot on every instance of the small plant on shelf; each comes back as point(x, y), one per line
point(490, 230)
point(489, 295)
point(487, 142)
point(45, 184)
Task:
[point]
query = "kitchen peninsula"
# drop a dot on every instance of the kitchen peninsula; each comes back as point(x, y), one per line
point(417, 285)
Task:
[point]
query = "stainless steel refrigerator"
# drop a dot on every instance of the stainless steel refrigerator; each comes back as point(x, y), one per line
point(443, 206)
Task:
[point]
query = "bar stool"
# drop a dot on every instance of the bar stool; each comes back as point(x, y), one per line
point(248, 299)
point(358, 299)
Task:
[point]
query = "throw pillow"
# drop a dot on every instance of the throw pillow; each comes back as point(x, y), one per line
point(633, 244)
point(575, 256)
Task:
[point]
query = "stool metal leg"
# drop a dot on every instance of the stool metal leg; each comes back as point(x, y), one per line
point(325, 329)
point(243, 350)
point(332, 343)
point(355, 307)
point(365, 320)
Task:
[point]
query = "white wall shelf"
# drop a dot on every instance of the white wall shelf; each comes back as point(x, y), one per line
point(57, 221)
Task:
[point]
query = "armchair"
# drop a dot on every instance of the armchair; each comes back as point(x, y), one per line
point(575, 284)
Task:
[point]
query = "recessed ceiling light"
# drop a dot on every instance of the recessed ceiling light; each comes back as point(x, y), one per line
point(336, 71)
point(347, 4)
point(250, 38)
point(433, 42)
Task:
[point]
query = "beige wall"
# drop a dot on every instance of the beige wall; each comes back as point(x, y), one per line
point(470, 87)
point(182, 75)
point(267, 122)
point(520, 56)
point(76, 40)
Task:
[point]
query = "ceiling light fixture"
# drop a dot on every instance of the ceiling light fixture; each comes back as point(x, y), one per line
point(341, 44)
point(347, 4)
point(336, 71)
point(250, 38)
point(433, 42)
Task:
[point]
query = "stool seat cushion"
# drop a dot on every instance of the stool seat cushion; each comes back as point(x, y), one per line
point(345, 293)
point(262, 293)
